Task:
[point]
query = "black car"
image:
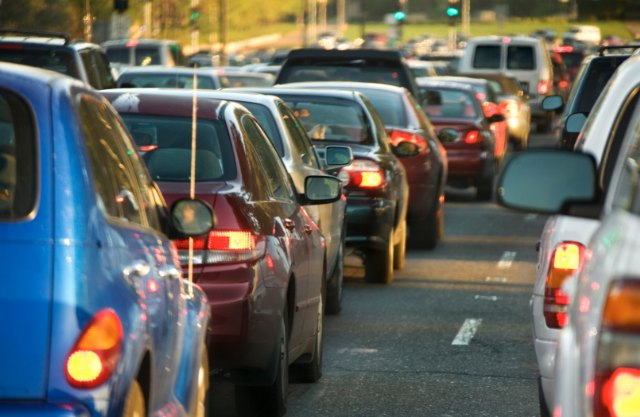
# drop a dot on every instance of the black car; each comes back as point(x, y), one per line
point(591, 80)
point(56, 52)
point(363, 65)
point(375, 183)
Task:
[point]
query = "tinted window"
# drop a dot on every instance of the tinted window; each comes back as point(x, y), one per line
point(487, 56)
point(300, 142)
point(389, 106)
point(335, 72)
point(444, 103)
point(147, 55)
point(520, 58)
point(115, 183)
point(627, 194)
point(275, 174)
point(164, 80)
point(330, 119)
point(18, 181)
point(119, 54)
point(58, 60)
point(169, 157)
point(597, 75)
point(265, 118)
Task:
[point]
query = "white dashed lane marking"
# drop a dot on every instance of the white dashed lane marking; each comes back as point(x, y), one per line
point(506, 260)
point(466, 332)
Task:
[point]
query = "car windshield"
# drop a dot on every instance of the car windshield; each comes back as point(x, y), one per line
point(450, 104)
point(331, 119)
point(166, 142)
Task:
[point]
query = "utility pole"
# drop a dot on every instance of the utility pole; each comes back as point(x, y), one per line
point(194, 23)
point(222, 27)
point(466, 18)
point(341, 18)
point(363, 19)
point(147, 19)
point(87, 21)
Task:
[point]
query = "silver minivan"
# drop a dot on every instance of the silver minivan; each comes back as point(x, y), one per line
point(522, 57)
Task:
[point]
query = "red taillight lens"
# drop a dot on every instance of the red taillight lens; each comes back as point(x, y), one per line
point(147, 148)
point(510, 108)
point(398, 136)
point(362, 173)
point(472, 137)
point(563, 84)
point(617, 381)
point(566, 260)
point(544, 86)
point(221, 246)
point(95, 354)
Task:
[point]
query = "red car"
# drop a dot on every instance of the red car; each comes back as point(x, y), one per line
point(465, 132)
point(263, 267)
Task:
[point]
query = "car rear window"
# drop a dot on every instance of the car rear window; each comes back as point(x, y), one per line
point(118, 54)
point(147, 55)
point(449, 103)
point(167, 146)
point(356, 70)
point(53, 59)
point(331, 119)
point(389, 105)
point(18, 180)
point(520, 57)
point(163, 80)
point(487, 56)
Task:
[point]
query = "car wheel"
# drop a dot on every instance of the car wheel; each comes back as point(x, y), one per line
point(269, 401)
point(484, 186)
point(544, 411)
point(334, 285)
point(400, 248)
point(134, 405)
point(201, 402)
point(378, 264)
point(312, 371)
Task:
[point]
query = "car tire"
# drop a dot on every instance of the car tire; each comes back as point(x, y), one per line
point(378, 264)
point(201, 402)
point(335, 283)
point(271, 400)
point(484, 186)
point(425, 234)
point(400, 248)
point(544, 411)
point(134, 405)
point(311, 371)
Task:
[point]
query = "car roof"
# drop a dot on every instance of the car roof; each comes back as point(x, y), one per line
point(161, 69)
point(283, 89)
point(343, 84)
point(141, 41)
point(434, 82)
point(503, 39)
point(248, 96)
point(36, 37)
point(365, 53)
point(463, 79)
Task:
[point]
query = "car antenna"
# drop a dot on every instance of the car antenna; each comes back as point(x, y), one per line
point(192, 177)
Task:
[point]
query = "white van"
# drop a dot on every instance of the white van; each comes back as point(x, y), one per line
point(523, 57)
point(583, 33)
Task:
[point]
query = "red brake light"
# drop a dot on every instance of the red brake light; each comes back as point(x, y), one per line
point(221, 246)
point(95, 354)
point(544, 86)
point(362, 173)
point(620, 393)
point(398, 136)
point(563, 49)
point(472, 136)
point(566, 260)
point(563, 84)
point(132, 42)
point(147, 148)
point(231, 240)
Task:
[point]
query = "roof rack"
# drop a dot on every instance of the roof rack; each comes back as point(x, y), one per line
point(36, 34)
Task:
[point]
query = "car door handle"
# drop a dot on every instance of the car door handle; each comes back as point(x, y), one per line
point(289, 224)
point(170, 272)
point(136, 269)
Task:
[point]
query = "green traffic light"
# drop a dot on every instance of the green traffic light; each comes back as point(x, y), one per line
point(399, 15)
point(452, 12)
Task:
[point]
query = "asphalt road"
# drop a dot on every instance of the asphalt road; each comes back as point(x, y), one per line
point(451, 337)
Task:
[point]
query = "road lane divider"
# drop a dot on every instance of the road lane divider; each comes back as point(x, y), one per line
point(466, 332)
point(495, 279)
point(486, 297)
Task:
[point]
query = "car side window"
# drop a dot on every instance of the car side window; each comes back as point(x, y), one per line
point(117, 189)
point(383, 139)
point(301, 142)
point(18, 158)
point(276, 175)
point(627, 192)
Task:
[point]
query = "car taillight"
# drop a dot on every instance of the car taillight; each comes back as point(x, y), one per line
point(222, 246)
point(362, 173)
point(563, 84)
point(510, 107)
point(398, 136)
point(566, 260)
point(616, 387)
point(95, 354)
point(544, 86)
point(472, 136)
point(147, 148)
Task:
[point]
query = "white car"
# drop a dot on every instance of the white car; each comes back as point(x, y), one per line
point(565, 245)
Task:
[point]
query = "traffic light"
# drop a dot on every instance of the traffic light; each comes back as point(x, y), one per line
point(193, 17)
point(120, 5)
point(400, 16)
point(453, 12)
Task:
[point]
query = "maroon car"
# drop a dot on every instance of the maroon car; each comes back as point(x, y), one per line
point(465, 132)
point(263, 266)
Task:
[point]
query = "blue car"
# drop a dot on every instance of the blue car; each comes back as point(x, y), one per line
point(96, 317)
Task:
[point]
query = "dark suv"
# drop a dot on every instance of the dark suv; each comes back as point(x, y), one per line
point(55, 51)
point(594, 74)
point(363, 65)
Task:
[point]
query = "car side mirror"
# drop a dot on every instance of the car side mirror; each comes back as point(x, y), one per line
point(321, 189)
point(575, 122)
point(552, 103)
point(406, 149)
point(337, 156)
point(192, 218)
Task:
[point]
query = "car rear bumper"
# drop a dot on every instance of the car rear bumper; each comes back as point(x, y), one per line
point(245, 321)
point(422, 199)
point(369, 221)
point(468, 163)
point(28, 409)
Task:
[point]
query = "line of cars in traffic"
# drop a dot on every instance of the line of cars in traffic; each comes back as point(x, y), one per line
point(265, 193)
